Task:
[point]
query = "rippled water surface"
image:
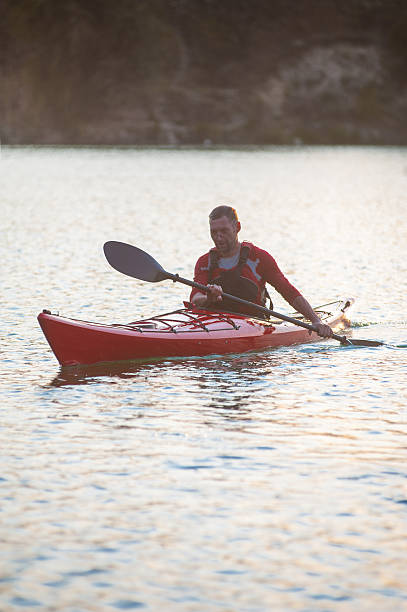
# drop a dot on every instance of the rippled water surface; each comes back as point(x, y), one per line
point(265, 481)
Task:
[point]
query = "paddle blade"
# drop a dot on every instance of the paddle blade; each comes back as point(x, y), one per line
point(359, 342)
point(134, 262)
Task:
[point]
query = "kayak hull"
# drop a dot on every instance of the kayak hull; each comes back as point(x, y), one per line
point(183, 333)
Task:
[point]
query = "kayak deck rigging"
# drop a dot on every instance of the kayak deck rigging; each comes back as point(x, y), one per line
point(186, 321)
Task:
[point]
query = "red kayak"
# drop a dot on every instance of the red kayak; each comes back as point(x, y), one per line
point(182, 333)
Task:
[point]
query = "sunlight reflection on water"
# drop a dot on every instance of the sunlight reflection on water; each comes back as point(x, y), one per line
point(271, 480)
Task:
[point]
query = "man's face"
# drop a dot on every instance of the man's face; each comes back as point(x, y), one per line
point(224, 235)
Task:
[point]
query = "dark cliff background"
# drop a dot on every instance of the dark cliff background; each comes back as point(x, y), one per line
point(229, 72)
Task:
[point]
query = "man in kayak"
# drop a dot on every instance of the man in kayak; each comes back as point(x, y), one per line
point(242, 269)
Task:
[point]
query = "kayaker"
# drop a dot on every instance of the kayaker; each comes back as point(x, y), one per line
point(242, 269)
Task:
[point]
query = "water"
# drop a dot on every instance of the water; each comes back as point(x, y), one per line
point(265, 481)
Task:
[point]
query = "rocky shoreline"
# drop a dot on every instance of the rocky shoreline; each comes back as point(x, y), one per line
point(200, 72)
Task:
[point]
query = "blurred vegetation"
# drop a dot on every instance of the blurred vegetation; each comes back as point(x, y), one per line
point(203, 71)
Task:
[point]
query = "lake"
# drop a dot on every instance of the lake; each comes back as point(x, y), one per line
point(274, 480)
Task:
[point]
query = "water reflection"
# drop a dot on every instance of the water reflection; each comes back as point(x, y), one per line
point(232, 384)
point(238, 368)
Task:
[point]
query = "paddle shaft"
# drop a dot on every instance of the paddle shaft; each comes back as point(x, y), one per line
point(178, 279)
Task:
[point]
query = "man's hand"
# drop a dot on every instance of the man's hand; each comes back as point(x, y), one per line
point(204, 299)
point(215, 293)
point(322, 329)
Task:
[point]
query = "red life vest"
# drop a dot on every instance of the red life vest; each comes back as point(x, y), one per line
point(234, 282)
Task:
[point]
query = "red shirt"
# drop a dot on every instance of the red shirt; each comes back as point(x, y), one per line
point(261, 268)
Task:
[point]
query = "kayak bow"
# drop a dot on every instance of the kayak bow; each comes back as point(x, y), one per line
point(186, 332)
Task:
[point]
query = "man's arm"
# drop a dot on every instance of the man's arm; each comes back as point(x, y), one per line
point(301, 305)
point(201, 276)
point(273, 275)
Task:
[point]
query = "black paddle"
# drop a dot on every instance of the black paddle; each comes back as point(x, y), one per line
point(134, 262)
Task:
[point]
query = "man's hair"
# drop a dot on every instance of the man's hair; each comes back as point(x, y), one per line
point(224, 211)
